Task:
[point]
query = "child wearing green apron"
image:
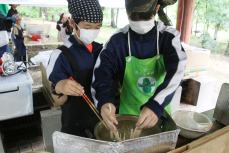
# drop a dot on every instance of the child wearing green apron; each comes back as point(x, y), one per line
point(147, 59)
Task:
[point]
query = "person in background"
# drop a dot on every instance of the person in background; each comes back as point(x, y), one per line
point(11, 13)
point(18, 39)
point(64, 28)
point(147, 59)
point(13, 10)
point(71, 75)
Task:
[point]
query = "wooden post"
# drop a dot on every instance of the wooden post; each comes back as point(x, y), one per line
point(184, 19)
point(180, 12)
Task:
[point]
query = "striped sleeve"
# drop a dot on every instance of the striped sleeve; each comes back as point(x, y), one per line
point(106, 69)
point(104, 72)
point(175, 61)
point(56, 70)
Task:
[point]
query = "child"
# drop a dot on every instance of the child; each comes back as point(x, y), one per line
point(18, 39)
point(147, 58)
point(82, 52)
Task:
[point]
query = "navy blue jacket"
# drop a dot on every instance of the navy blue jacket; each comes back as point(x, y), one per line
point(76, 114)
point(110, 65)
point(3, 49)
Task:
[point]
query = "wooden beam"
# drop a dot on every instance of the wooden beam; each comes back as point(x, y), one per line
point(184, 19)
point(180, 13)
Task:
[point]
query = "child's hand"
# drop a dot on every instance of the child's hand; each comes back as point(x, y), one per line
point(69, 87)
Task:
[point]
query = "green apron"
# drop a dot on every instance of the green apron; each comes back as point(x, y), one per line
point(141, 79)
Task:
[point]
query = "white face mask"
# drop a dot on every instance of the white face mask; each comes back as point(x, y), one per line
point(87, 36)
point(142, 27)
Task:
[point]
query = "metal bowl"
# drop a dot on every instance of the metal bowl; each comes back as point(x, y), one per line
point(125, 128)
point(189, 133)
point(192, 124)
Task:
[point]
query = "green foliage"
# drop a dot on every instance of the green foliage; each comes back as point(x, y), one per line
point(207, 41)
point(27, 11)
point(34, 12)
point(213, 12)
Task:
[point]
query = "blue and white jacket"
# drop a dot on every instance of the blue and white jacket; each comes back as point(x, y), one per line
point(76, 114)
point(110, 65)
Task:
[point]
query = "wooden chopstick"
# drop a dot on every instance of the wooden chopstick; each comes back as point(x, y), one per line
point(92, 106)
point(94, 109)
point(90, 103)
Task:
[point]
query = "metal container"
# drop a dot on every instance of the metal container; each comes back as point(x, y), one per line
point(126, 126)
point(157, 143)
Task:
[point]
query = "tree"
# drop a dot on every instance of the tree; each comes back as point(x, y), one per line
point(217, 15)
point(213, 14)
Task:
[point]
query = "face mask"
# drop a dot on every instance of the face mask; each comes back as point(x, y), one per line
point(87, 36)
point(142, 27)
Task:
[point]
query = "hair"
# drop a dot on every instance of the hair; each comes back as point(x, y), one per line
point(59, 22)
point(11, 5)
point(61, 17)
point(69, 28)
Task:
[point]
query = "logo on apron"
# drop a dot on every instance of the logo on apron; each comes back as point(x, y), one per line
point(146, 84)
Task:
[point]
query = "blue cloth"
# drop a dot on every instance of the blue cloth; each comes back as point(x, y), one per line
point(4, 49)
point(85, 60)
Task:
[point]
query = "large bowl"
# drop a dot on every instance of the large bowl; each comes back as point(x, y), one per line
point(126, 126)
point(192, 124)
